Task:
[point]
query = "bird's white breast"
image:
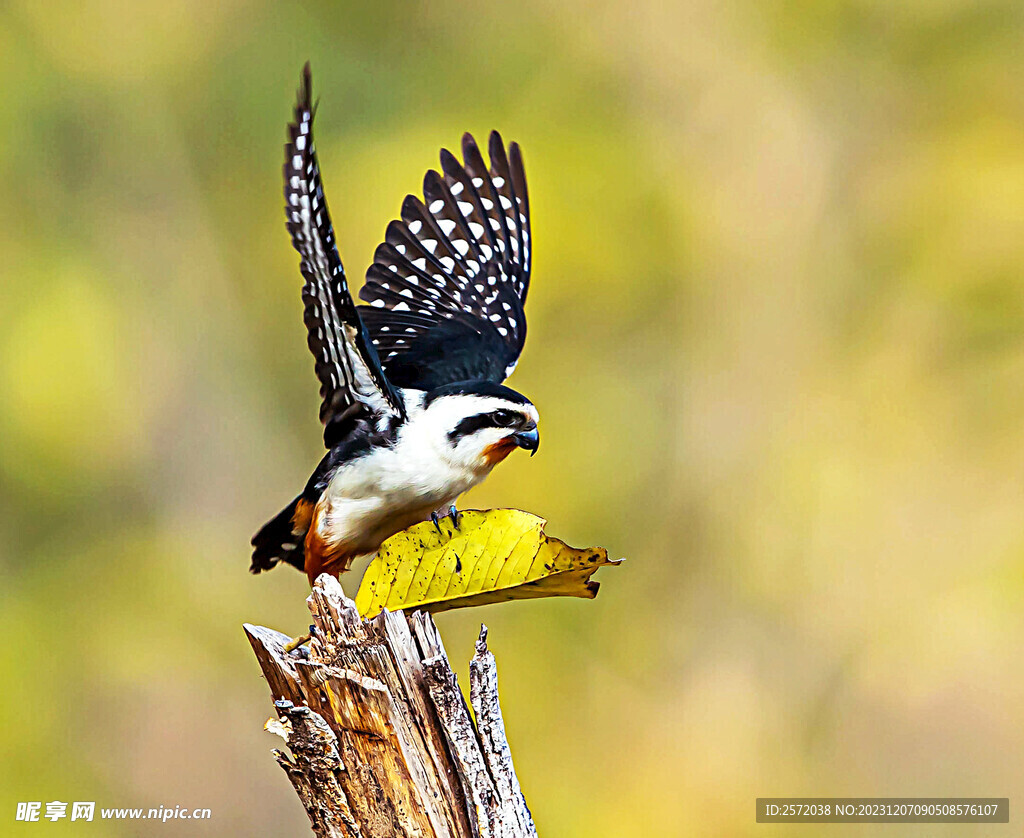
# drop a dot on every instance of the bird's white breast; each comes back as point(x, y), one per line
point(391, 488)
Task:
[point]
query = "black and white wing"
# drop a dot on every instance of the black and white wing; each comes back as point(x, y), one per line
point(447, 287)
point(352, 383)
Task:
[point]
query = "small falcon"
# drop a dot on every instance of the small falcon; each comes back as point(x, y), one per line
point(414, 410)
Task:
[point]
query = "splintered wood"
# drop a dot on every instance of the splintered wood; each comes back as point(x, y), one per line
point(381, 741)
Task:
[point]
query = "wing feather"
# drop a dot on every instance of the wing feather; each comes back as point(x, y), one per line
point(351, 377)
point(459, 260)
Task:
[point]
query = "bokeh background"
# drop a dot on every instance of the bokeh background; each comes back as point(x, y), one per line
point(776, 337)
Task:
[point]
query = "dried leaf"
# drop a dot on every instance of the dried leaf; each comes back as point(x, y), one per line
point(494, 556)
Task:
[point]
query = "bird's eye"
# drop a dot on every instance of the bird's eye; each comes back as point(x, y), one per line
point(505, 418)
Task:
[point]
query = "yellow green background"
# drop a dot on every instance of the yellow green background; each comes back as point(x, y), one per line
point(776, 339)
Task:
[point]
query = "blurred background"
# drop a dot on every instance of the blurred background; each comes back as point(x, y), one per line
point(776, 338)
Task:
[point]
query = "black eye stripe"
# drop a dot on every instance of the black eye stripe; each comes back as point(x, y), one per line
point(494, 419)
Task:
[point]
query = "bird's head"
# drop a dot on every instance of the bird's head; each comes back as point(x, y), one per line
point(477, 424)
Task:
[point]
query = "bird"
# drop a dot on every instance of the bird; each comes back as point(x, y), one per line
point(413, 403)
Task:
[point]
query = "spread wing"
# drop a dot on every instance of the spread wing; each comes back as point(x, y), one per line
point(352, 383)
point(447, 287)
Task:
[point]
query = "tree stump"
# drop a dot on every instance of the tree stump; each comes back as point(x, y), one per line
point(382, 743)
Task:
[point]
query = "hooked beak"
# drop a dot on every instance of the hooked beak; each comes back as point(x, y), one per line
point(528, 439)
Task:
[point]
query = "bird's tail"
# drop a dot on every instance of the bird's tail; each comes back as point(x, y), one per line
point(282, 538)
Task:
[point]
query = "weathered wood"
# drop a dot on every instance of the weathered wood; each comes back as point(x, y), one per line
point(381, 739)
point(314, 769)
point(483, 695)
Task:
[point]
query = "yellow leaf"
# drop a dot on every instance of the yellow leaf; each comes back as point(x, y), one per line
point(494, 556)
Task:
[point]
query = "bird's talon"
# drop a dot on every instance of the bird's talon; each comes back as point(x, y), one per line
point(437, 522)
point(455, 515)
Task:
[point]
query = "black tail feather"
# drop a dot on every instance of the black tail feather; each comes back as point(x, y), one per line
point(278, 542)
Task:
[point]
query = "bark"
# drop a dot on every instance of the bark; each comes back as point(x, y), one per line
point(381, 741)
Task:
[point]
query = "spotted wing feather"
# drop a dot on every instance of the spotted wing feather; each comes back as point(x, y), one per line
point(447, 286)
point(352, 381)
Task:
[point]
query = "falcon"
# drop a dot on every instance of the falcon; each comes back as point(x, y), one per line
point(413, 405)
